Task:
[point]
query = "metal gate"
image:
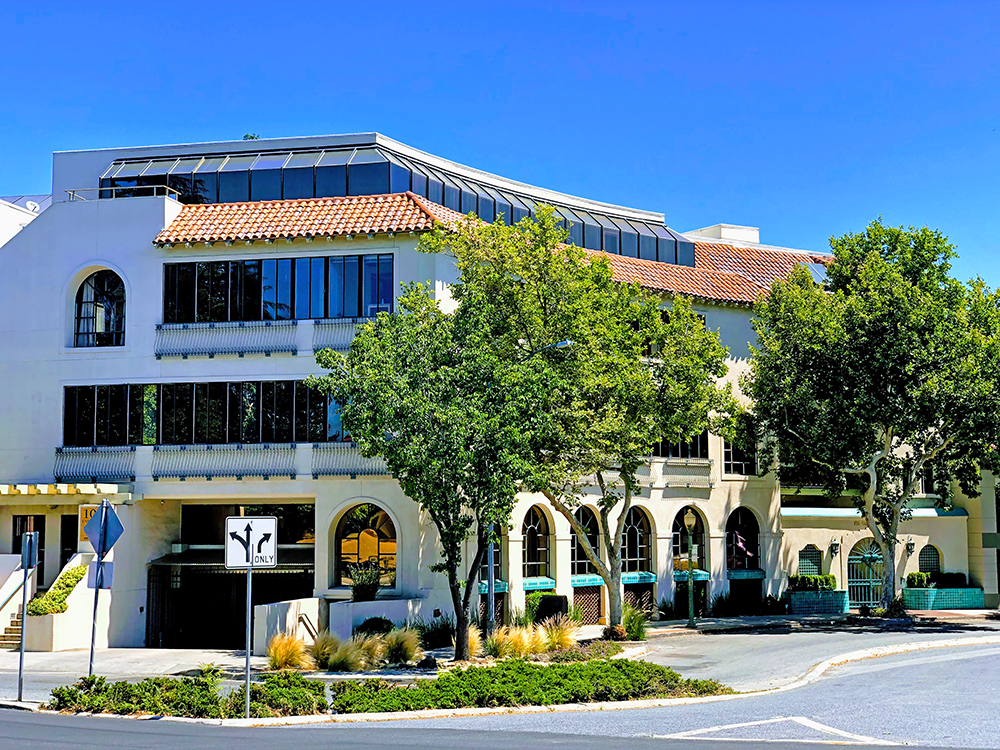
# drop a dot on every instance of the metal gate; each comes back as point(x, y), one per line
point(865, 573)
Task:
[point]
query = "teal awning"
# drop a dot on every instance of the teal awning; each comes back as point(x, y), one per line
point(499, 587)
point(831, 512)
point(699, 575)
point(736, 575)
point(640, 576)
point(578, 581)
point(539, 583)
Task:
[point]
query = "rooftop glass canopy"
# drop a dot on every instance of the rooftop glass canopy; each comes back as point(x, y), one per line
point(374, 171)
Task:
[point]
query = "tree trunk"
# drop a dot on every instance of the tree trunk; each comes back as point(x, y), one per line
point(614, 591)
point(889, 571)
point(461, 618)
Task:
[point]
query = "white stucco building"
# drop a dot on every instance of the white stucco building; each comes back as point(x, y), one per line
point(159, 318)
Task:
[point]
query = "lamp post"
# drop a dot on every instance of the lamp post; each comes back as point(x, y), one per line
point(689, 521)
point(490, 552)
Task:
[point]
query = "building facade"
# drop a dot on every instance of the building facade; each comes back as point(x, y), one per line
point(163, 312)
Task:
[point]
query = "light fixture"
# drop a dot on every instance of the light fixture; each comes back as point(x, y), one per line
point(910, 546)
point(834, 547)
point(690, 519)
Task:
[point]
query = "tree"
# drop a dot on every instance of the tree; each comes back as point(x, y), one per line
point(421, 389)
point(890, 371)
point(634, 375)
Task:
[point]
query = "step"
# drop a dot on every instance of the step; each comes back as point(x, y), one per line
point(12, 631)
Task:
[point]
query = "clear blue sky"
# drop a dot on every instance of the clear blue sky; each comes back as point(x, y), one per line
point(806, 119)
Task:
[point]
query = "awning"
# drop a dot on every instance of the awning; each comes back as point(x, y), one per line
point(303, 557)
point(798, 512)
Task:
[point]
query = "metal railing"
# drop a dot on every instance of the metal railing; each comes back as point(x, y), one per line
point(236, 460)
point(344, 460)
point(136, 191)
point(95, 464)
point(235, 338)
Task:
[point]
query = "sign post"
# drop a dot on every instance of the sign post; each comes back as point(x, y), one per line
point(251, 542)
point(29, 561)
point(103, 529)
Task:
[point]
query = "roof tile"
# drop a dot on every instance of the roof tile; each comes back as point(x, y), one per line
point(762, 264)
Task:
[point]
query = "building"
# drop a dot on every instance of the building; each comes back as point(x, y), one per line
point(17, 211)
point(178, 295)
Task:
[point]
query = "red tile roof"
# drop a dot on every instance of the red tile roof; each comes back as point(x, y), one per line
point(762, 264)
point(722, 273)
point(313, 217)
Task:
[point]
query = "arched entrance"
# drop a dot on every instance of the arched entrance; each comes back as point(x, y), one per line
point(588, 592)
point(680, 563)
point(865, 572)
point(743, 563)
point(365, 536)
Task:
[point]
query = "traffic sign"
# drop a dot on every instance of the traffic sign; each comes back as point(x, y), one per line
point(104, 529)
point(29, 550)
point(251, 542)
point(104, 580)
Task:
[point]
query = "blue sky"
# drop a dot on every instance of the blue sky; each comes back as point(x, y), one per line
point(806, 119)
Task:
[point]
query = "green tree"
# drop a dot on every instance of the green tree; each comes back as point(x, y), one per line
point(634, 375)
point(890, 371)
point(423, 390)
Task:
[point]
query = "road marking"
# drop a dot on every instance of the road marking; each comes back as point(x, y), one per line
point(855, 739)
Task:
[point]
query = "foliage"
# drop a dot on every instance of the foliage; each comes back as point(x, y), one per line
point(54, 600)
point(635, 621)
point(323, 647)
point(287, 651)
point(890, 371)
point(436, 633)
point(896, 609)
point(614, 633)
point(576, 613)
point(678, 608)
point(812, 583)
point(347, 657)
point(366, 580)
point(560, 633)
point(498, 644)
point(281, 694)
point(918, 580)
point(402, 646)
point(587, 652)
point(519, 683)
point(949, 580)
point(372, 649)
point(374, 626)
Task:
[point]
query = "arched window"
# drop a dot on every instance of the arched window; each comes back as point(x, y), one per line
point(636, 546)
point(365, 535)
point(100, 311)
point(742, 541)
point(810, 561)
point(535, 541)
point(680, 540)
point(484, 572)
point(581, 564)
point(929, 559)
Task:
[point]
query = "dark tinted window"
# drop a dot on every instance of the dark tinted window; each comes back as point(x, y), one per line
point(298, 183)
point(302, 288)
point(331, 182)
point(336, 286)
point(317, 288)
point(265, 185)
point(351, 296)
point(283, 306)
point(368, 179)
point(234, 187)
point(685, 253)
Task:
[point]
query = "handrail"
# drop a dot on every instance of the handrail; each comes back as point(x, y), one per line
point(18, 588)
point(310, 628)
point(74, 195)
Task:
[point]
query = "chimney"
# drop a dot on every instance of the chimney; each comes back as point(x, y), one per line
point(728, 232)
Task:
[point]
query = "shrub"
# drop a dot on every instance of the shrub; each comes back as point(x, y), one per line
point(498, 644)
point(614, 633)
point(54, 600)
point(918, 580)
point(437, 633)
point(560, 633)
point(402, 646)
point(948, 580)
point(592, 650)
point(371, 648)
point(323, 647)
point(666, 609)
point(282, 694)
point(366, 580)
point(812, 583)
point(286, 651)
point(475, 642)
point(575, 613)
point(519, 683)
point(375, 626)
point(347, 658)
point(896, 609)
point(635, 622)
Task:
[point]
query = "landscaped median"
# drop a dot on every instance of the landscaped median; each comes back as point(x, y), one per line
point(510, 683)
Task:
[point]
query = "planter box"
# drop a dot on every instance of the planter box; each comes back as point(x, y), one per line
point(69, 630)
point(818, 602)
point(943, 599)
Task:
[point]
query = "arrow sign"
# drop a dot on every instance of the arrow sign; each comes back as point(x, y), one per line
point(251, 542)
point(104, 529)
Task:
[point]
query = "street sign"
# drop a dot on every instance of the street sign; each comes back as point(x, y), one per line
point(251, 542)
point(107, 573)
point(29, 550)
point(86, 513)
point(112, 531)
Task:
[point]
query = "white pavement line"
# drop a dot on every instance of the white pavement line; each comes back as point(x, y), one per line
point(706, 730)
point(859, 738)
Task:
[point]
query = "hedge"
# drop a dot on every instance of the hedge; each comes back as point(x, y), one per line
point(936, 580)
point(519, 683)
point(54, 600)
point(812, 583)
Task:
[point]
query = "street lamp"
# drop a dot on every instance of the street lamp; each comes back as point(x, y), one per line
point(490, 576)
point(689, 521)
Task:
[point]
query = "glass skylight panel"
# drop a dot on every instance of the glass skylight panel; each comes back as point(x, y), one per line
point(335, 158)
point(131, 169)
point(399, 173)
point(367, 156)
point(591, 231)
point(303, 159)
point(418, 178)
point(575, 226)
point(159, 166)
point(468, 202)
point(211, 164)
point(501, 206)
point(238, 163)
point(647, 240)
point(270, 161)
point(115, 166)
point(629, 238)
point(666, 245)
point(185, 166)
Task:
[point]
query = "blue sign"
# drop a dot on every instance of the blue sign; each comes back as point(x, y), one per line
point(104, 529)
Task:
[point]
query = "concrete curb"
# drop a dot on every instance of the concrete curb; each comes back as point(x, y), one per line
point(813, 674)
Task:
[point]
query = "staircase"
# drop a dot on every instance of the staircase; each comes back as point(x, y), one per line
point(11, 636)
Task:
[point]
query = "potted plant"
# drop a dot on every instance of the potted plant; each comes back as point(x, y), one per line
point(366, 580)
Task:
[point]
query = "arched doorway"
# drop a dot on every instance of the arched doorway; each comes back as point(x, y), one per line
point(365, 535)
point(587, 587)
point(639, 582)
point(865, 572)
point(680, 539)
point(535, 541)
point(743, 564)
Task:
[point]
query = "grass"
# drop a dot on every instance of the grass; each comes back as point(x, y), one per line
point(475, 642)
point(436, 633)
point(518, 683)
point(636, 622)
point(560, 633)
point(323, 647)
point(347, 658)
point(286, 651)
point(402, 646)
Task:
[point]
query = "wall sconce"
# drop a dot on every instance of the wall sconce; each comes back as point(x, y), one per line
point(834, 547)
point(910, 546)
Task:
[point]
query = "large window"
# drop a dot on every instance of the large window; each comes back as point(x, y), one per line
point(100, 311)
point(929, 559)
point(497, 534)
point(535, 541)
point(279, 411)
point(742, 541)
point(682, 538)
point(696, 447)
point(637, 551)
point(581, 564)
point(365, 535)
point(736, 460)
point(352, 286)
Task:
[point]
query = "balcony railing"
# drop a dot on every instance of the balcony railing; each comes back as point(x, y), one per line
point(335, 333)
point(227, 460)
point(265, 337)
point(115, 464)
point(344, 460)
point(679, 472)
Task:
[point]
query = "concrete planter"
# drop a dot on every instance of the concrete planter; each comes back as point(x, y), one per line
point(818, 602)
point(943, 598)
point(71, 629)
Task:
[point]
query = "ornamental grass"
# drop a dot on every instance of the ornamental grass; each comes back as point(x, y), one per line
point(287, 651)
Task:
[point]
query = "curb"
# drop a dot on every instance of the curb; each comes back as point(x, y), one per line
point(813, 674)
